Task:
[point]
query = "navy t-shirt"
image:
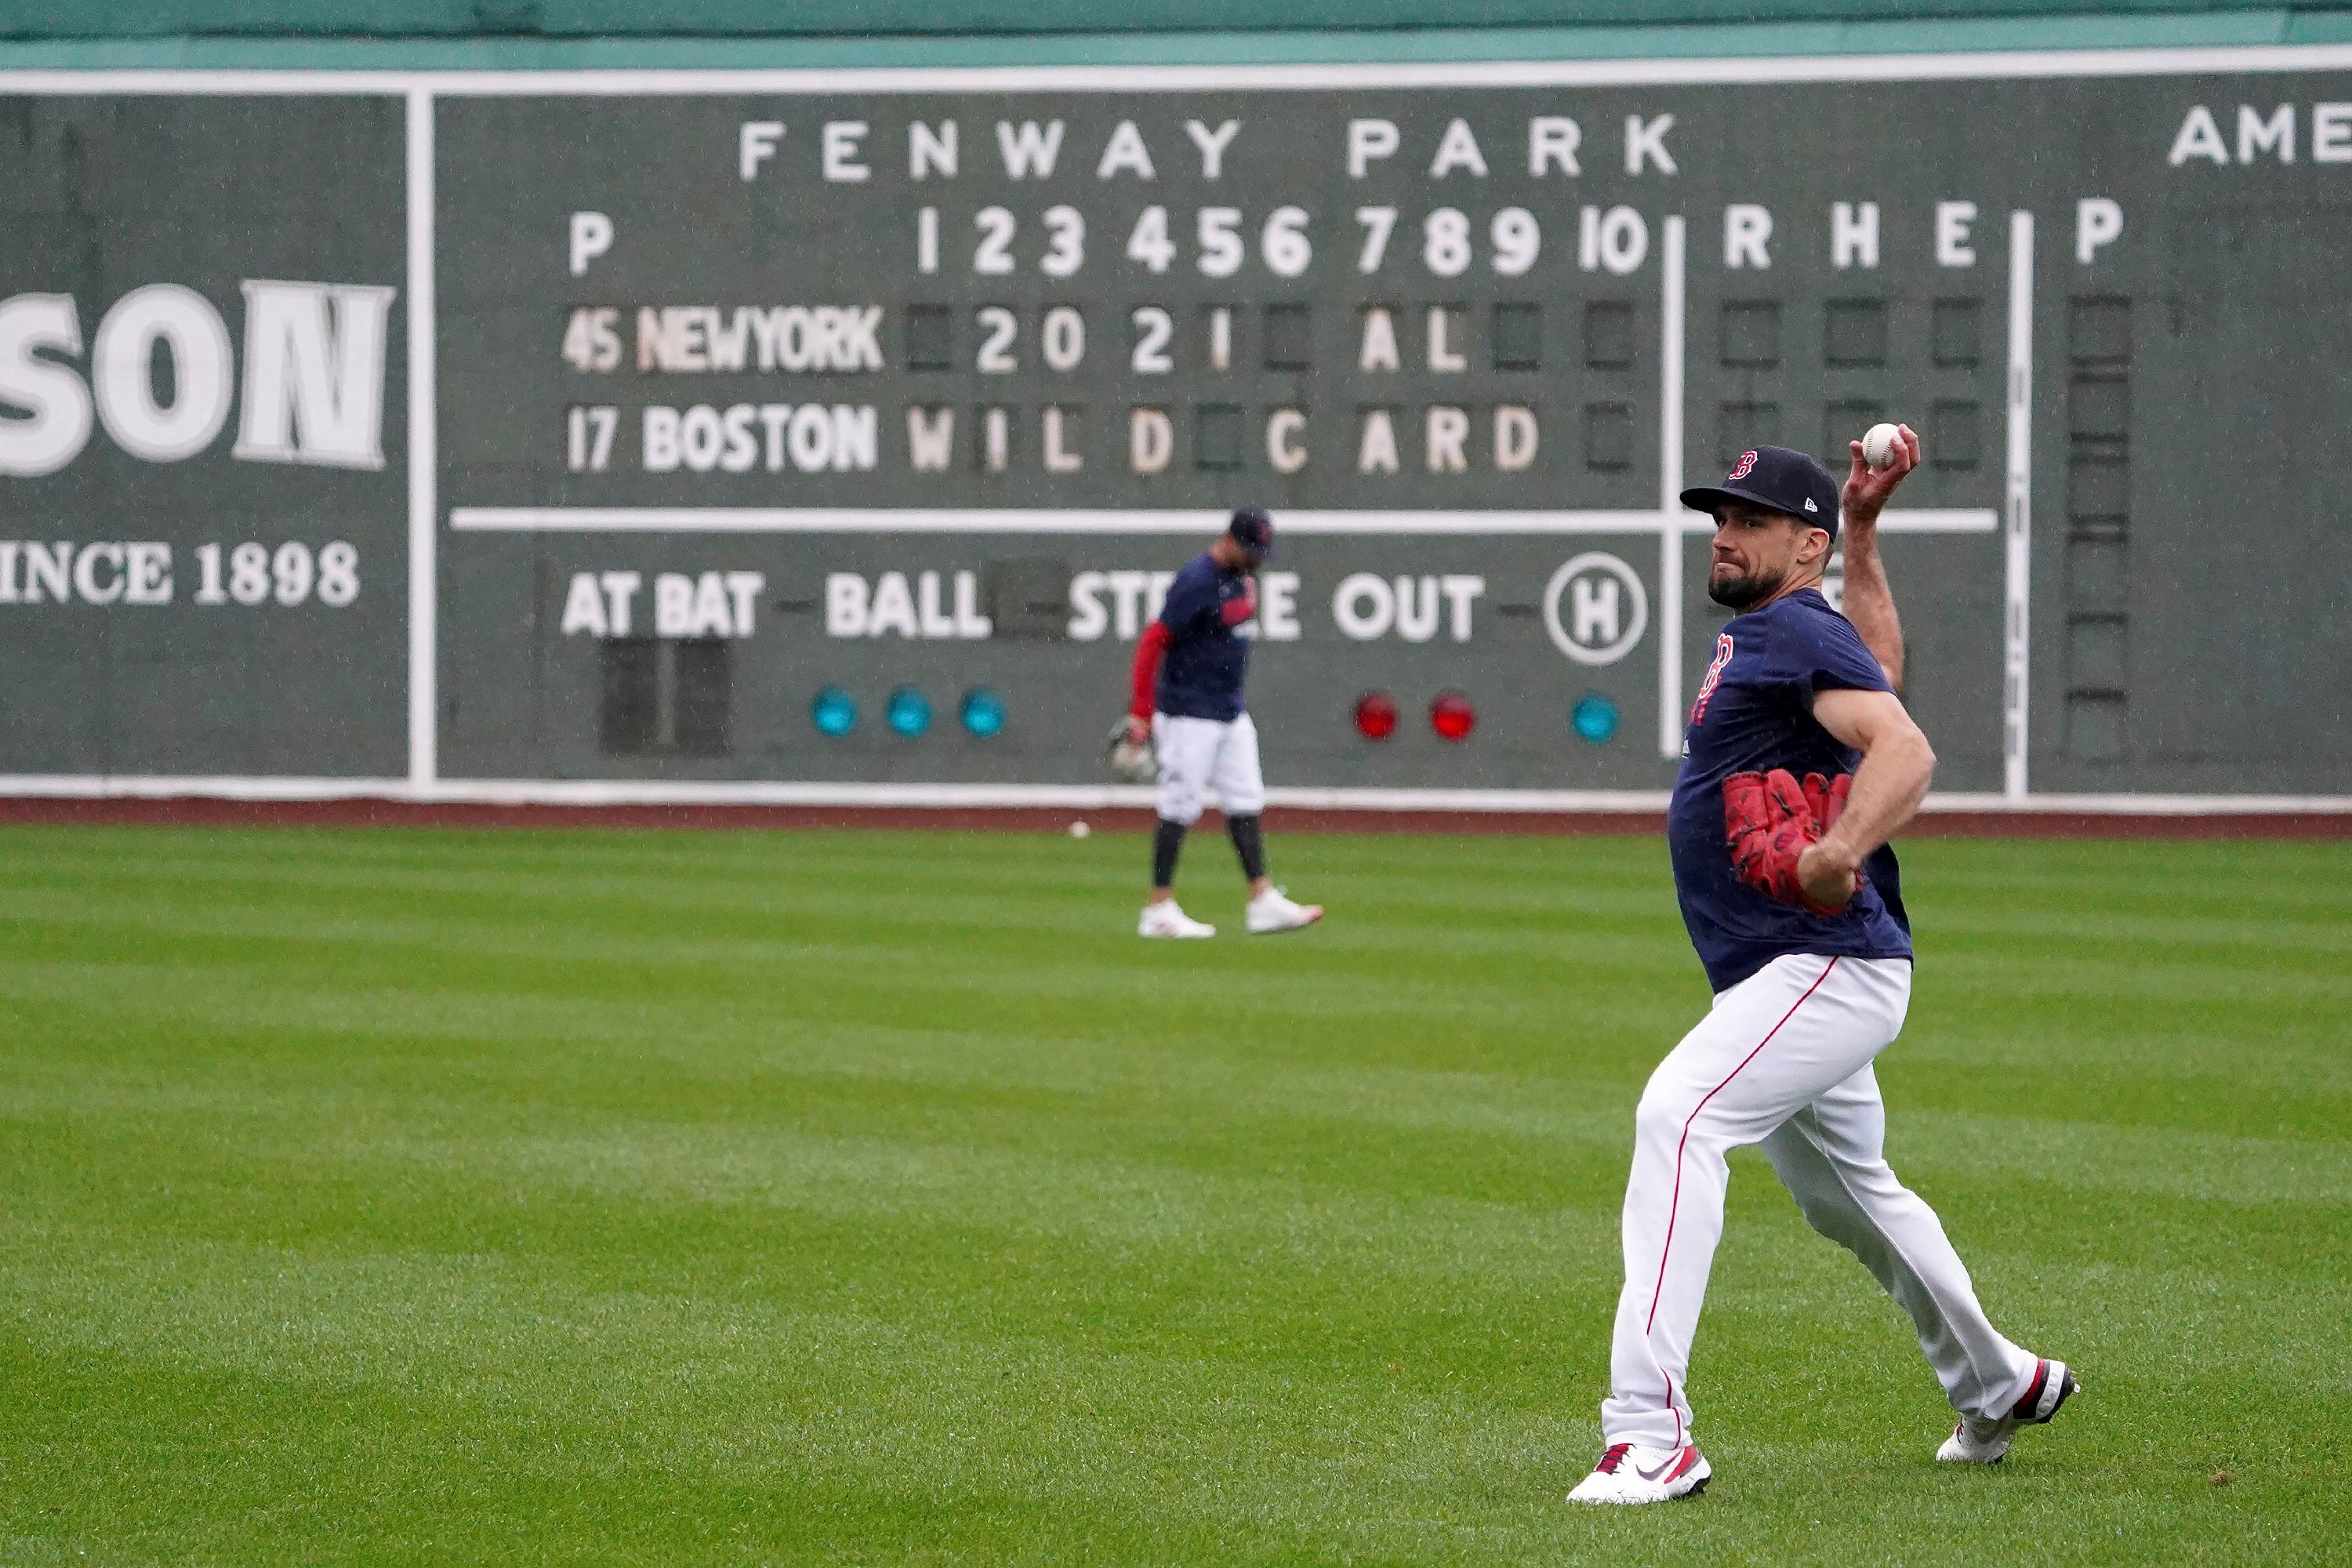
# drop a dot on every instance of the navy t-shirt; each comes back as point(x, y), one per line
point(1200, 676)
point(1753, 713)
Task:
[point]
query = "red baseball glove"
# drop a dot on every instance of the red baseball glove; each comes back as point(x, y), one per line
point(1768, 820)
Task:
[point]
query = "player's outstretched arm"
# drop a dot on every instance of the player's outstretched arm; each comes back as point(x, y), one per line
point(1869, 602)
point(1896, 763)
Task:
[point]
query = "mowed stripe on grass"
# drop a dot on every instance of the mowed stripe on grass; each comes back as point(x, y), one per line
point(860, 1197)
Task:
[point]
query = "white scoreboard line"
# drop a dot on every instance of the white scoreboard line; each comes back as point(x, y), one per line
point(1993, 65)
point(2016, 559)
point(765, 792)
point(1672, 515)
point(424, 455)
point(1082, 521)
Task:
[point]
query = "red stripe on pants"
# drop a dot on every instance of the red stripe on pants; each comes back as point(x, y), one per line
point(1676, 1202)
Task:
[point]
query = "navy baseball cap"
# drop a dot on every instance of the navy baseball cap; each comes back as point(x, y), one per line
point(1253, 531)
point(1778, 480)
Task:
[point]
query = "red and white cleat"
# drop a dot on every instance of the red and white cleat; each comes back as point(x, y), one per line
point(1629, 1473)
point(1270, 912)
point(1984, 1440)
point(1164, 919)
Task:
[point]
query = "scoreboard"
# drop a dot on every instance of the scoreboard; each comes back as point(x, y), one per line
point(834, 431)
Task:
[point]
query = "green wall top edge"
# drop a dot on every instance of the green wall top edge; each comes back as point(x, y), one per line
point(121, 19)
point(1778, 39)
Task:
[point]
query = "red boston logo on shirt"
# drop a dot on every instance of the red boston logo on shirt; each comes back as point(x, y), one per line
point(1715, 670)
point(1739, 469)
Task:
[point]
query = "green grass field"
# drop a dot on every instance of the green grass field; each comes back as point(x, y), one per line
point(416, 1197)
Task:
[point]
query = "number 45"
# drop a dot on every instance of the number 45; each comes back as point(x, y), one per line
point(592, 341)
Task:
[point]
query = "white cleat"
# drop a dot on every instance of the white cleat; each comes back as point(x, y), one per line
point(1164, 919)
point(1270, 912)
point(1985, 1439)
point(1631, 1473)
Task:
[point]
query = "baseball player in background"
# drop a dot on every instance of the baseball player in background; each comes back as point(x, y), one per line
point(1798, 764)
point(1186, 697)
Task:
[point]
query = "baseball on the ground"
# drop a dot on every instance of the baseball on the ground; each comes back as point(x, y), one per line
point(1878, 445)
point(1079, 830)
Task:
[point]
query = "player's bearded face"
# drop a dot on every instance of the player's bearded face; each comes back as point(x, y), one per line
point(1755, 553)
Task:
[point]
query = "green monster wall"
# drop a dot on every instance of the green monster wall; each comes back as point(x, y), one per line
point(470, 412)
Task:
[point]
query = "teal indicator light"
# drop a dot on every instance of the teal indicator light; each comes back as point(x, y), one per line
point(982, 713)
point(909, 712)
point(1594, 716)
point(835, 711)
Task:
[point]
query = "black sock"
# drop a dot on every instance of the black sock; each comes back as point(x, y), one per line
point(1166, 840)
point(1249, 844)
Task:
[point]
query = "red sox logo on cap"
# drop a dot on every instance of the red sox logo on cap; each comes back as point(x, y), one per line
point(1739, 469)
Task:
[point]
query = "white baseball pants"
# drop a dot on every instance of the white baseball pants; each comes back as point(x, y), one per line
point(1784, 1060)
point(1199, 754)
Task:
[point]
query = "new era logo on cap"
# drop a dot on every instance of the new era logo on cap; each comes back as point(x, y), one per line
point(1778, 480)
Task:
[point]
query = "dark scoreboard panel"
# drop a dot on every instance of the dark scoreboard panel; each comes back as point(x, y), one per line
point(843, 343)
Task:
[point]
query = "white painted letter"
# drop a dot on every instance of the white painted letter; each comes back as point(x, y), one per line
point(756, 144)
point(1379, 351)
point(584, 607)
point(2331, 132)
point(1283, 454)
point(930, 439)
point(1028, 149)
point(1125, 149)
point(1457, 150)
point(1368, 140)
point(1952, 221)
point(1376, 451)
point(2199, 138)
point(1058, 459)
point(845, 604)
point(928, 150)
point(1853, 236)
point(1212, 146)
point(1746, 229)
point(592, 236)
point(2276, 134)
point(1645, 141)
point(1150, 440)
point(2098, 220)
point(1515, 438)
point(841, 149)
point(1445, 433)
point(204, 381)
point(314, 391)
point(52, 396)
point(1442, 357)
point(1552, 140)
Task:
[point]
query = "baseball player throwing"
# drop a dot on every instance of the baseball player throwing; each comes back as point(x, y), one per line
point(1798, 764)
point(1186, 696)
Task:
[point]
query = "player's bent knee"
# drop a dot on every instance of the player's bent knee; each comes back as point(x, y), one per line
point(1181, 809)
point(1662, 1111)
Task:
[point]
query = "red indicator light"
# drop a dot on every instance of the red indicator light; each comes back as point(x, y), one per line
point(1376, 716)
point(1452, 716)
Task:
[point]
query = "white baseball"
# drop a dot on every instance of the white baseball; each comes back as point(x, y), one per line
point(1879, 444)
point(1079, 830)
